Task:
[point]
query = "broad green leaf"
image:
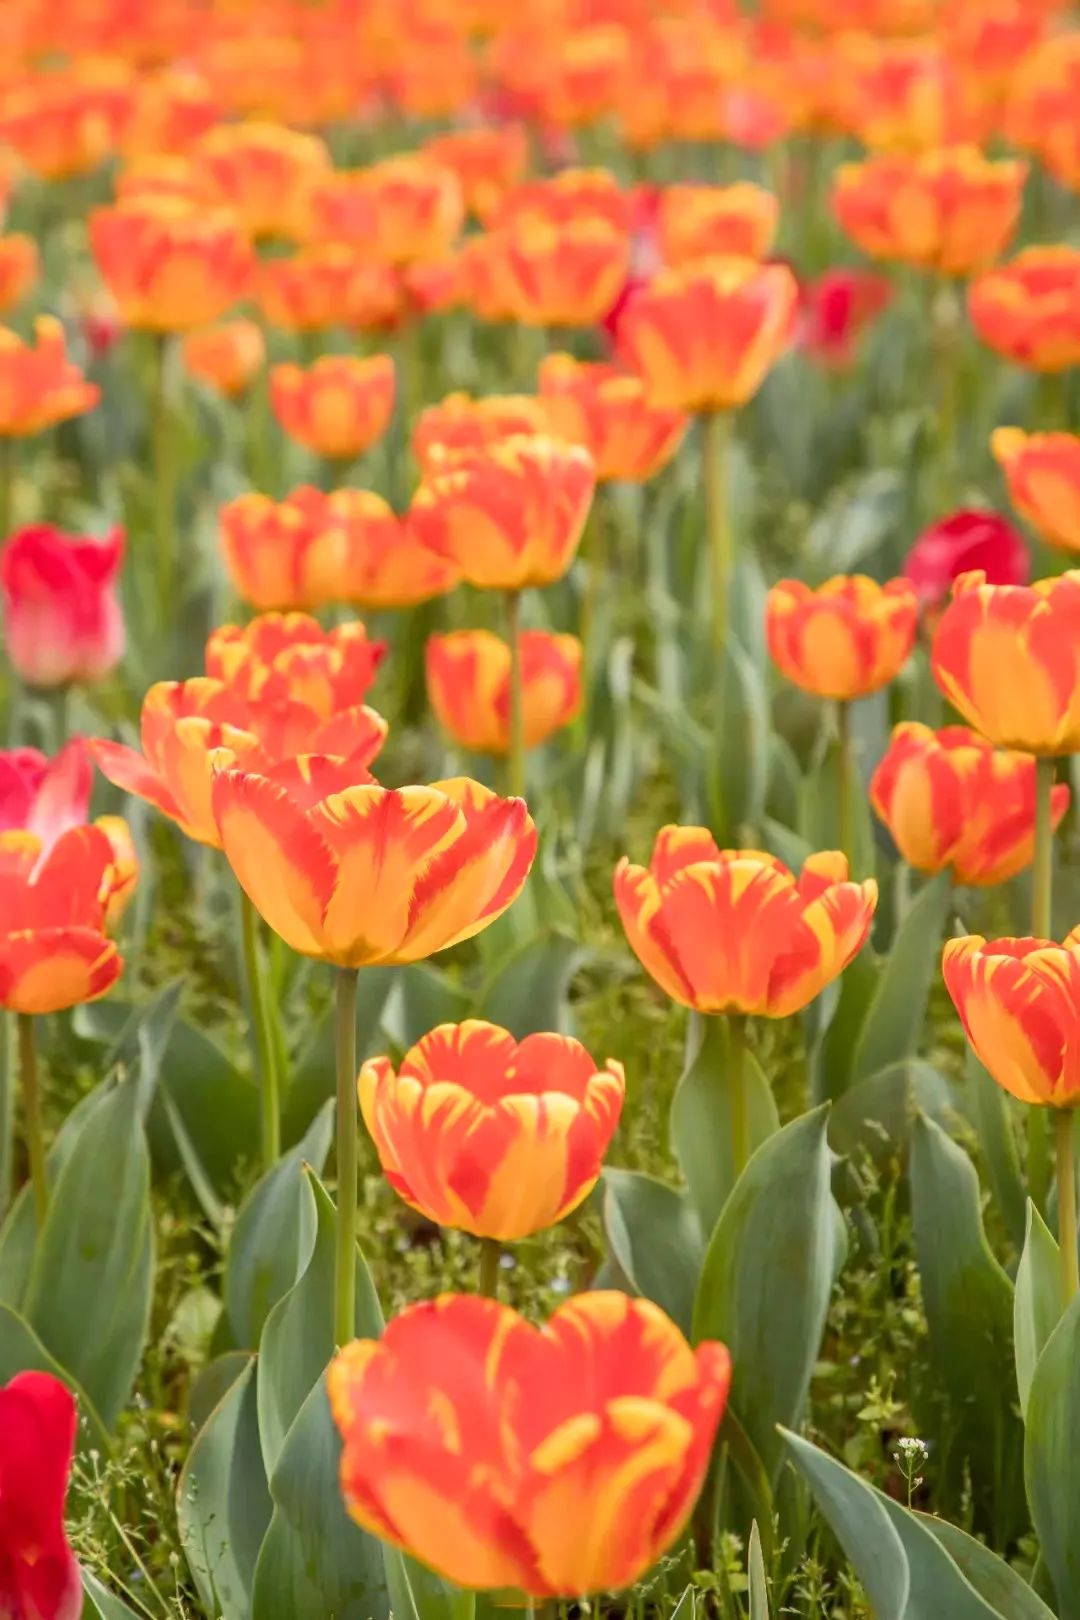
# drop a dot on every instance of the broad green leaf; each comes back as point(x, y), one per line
point(420, 997)
point(701, 1114)
point(274, 1233)
point(875, 1115)
point(1037, 1301)
point(205, 1113)
point(528, 993)
point(990, 1110)
point(89, 1290)
point(656, 1240)
point(1052, 1446)
point(212, 1383)
point(738, 770)
point(767, 1278)
point(755, 1564)
point(819, 810)
point(22, 1351)
point(101, 1604)
point(893, 1025)
point(222, 1504)
point(832, 1057)
point(969, 1312)
point(18, 1234)
point(1008, 1593)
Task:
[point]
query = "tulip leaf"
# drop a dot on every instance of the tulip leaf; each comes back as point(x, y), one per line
point(875, 1115)
point(894, 1019)
point(990, 1110)
point(419, 997)
point(969, 1311)
point(101, 1604)
point(820, 822)
point(89, 1290)
point(222, 1503)
point(1037, 1301)
point(701, 1119)
point(1008, 1593)
point(1052, 1446)
point(22, 1351)
point(832, 1055)
point(738, 773)
point(8, 1079)
point(205, 1114)
point(767, 1278)
point(655, 1239)
point(211, 1384)
point(755, 1566)
point(527, 995)
point(274, 1234)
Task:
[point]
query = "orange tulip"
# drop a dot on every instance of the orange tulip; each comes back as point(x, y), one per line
point(226, 357)
point(67, 121)
point(402, 210)
point(572, 75)
point(290, 655)
point(488, 161)
point(509, 515)
point(1008, 658)
point(329, 284)
point(703, 336)
point(949, 210)
point(170, 266)
point(440, 284)
point(557, 275)
point(171, 109)
point(468, 682)
point(1043, 474)
point(18, 269)
point(733, 931)
point(436, 75)
point(460, 422)
point(1041, 112)
point(699, 222)
point(39, 385)
point(557, 1461)
point(164, 175)
point(281, 554)
point(356, 874)
point(262, 172)
point(337, 407)
point(383, 565)
point(845, 640)
point(572, 196)
point(1019, 1003)
point(951, 800)
point(608, 411)
point(1029, 309)
point(496, 1138)
point(54, 952)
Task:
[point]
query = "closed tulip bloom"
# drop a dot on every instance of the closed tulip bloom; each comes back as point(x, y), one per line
point(571, 196)
point(38, 1573)
point(1040, 114)
point(39, 385)
point(1019, 1003)
point(949, 210)
point(62, 619)
point(848, 638)
point(227, 357)
point(70, 120)
point(733, 931)
point(468, 682)
point(972, 538)
point(356, 874)
point(508, 516)
point(950, 799)
point(1042, 471)
point(1029, 309)
point(403, 210)
point(262, 172)
point(699, 222)
point(329, 284)
point(836, 309)
point(290, 655)
point(496, 1138)
point(382, 565)
point(281, 554)
point(488, 161)
point(558, 275)
point(54, 952)
point(460, 422)
point(609, 413)
point(18, 269)
point(557, 1461)
point(704, 336)
point(339, 406)
point(169, 265)
point(1008, 658)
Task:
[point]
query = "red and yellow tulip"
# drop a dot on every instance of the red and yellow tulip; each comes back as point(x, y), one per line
point(609, 413)
point(226, 357)
point(460, 422)
point(468, 683)
point(169, 264)
point(339, 406)
point(700, 222)
point(1042, 471)
point(1029, 309)
point(848, 638)
point(1019, 1003)
point(54, 952)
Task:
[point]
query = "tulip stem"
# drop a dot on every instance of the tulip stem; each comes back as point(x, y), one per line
point(1038, 1139)
point(740, 1108)
point(715, 450)
point(164, 474)
point(516, 761)
point(347, 1157)
point(1066, 1191)
point(843, 780)
point(266, 1051)
point(7, 480)
point(35, 1138)
point(487, 1285)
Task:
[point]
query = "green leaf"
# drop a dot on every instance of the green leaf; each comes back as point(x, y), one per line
point(8, 1080)
point(22, 1351)
point(212, 1383)
point(701, 1119)
point(875, 1115)
point(1008, 1593)
point(18, 1235)
point(222, 1504)
point(528, 993)
point(832, 1056)
point(656, 1240)
point(767, 1278)
point(755, 1565)
point(894, 1020)
point(90, 1285)
point(991, 1110)
point(274, 1233)
point(205, 1115)
point(1037, 1301)
point(969, 1310)
point(421, 998)
point(820, 821)
point(738, 772)
point(101, 1604)
point(1053, 1434)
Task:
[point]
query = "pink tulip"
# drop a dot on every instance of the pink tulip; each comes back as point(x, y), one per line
point(968, 539)
point(62, 619)
point(39, 1577)
point(45, 796)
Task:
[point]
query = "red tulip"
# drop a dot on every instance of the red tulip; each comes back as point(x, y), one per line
point(39, 1578)
point(835, 310)
point(62, 619)
point(966, 540)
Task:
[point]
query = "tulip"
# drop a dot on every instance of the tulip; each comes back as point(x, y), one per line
point(1029, 309)
point(609, 413)
point(168, 176)
point(848, 638)
point(402, 210)
point(959, 544)
point(953, 801)
point(498, 1139)
point(835, 310)
point(1040, 114)
point(171, 108)
point(290, 655)
point(62, 619)
point(38, 1573)
point(39, 385)
point(1042, 471)
point(19, 270)
point(572, 196)
point(460, 422)
point(68, 121)
point(329, 284)
point(557, 275)
point(565, 1459)
point(170, 265)
point(488, 162)
point(226, 357)
point(468, 682)
point(262, 172)
point(699, 222)
point(338, 407)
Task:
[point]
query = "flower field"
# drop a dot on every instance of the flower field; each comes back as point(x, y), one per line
point(539, 859)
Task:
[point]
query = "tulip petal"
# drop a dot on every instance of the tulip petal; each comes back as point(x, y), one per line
point(46, 970)
point(281, 861)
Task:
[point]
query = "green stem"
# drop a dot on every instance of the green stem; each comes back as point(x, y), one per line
point(347, 1131)
point(164, 472)
point(843, 780)
point(7, 481)
point(715, 447)
point(35, 1137)
point(595, 560)
point(487, 1284)
point(945, 326)
point(740, 1107)
point(265, 1046)
point(516, 758)
point(1038, 1136)
point(1066, 1191)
